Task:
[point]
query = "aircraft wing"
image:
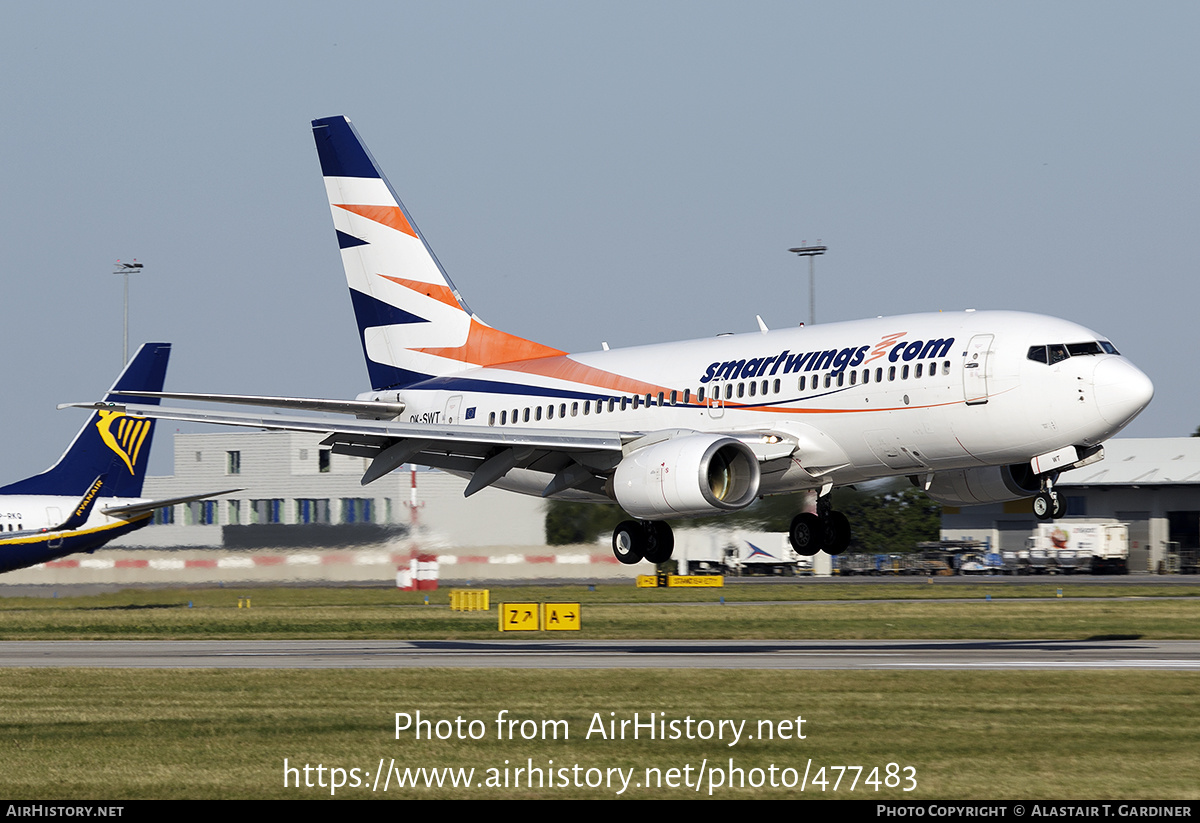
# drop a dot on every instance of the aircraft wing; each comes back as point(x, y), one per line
point(145, 506)
point(373, 409)
point(576, 460)
point(486, 452)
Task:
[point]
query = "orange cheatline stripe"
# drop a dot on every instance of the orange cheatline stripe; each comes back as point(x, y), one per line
point(564, 368)
point(389, 216)
point(433, 290)
point(486, 346)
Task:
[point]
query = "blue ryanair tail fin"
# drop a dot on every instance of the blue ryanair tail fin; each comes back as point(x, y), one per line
point(110, 443)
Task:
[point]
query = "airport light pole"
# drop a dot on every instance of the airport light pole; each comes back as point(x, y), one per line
point(125, 269)
point(811, 252)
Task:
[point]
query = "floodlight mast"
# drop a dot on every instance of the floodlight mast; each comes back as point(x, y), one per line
point(125, 269)
point(810, 252)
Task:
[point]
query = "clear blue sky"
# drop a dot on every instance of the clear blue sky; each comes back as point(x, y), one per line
point(629, 172)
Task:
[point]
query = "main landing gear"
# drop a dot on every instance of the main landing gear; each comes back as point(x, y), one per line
point(1049, 504)
point(826, 530)
point(637, 540)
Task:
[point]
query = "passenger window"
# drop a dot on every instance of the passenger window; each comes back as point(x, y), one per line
point(800, 383)
point(700, 395)
point(891, 373)
point(492, 419)
point(660, 398)
point(526, 417)
point(537, 414)
point(728, 391)
point(753, 388)
point(575, 409)
point(503, 418)
point(587, 407)
point(777, 385)
point(917, 373)
point(674, 397)
point(841, 378)
point(904, 373)
point(853, 378)
point(550, 412)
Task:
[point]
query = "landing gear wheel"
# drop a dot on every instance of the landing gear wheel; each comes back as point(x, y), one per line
point(1059, 509)
point(1043, 506)
point(661, 542)
point(628, 541)
point(837, 533)
point(806, 534)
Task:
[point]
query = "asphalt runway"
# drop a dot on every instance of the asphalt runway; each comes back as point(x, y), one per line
point(893, 655)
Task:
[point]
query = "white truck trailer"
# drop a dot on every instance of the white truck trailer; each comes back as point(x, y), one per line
point(737, 552)
point(1096, 546)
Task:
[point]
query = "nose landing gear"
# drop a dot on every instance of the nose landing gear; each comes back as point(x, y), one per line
point(1049, 504)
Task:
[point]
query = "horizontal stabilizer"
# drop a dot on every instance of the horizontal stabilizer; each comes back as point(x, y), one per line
point(147, 506)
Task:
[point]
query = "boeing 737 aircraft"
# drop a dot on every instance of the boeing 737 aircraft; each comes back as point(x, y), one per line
point(974, 407)
point(92, 494)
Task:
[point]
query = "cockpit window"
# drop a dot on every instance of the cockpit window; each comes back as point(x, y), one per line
point(1057, 352)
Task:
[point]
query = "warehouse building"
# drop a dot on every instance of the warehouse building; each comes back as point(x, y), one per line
point(1151, 484)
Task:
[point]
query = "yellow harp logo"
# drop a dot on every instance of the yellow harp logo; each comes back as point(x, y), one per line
point(126, 443)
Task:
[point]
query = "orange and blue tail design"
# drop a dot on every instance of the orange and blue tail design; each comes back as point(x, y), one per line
point(412, 321)
point(110, 443)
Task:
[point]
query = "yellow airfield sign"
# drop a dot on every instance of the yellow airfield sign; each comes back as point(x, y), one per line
point(520, 617)
point(561, 617)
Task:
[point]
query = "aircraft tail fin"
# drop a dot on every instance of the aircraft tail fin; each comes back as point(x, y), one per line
point(110, 443)
point(412, 322)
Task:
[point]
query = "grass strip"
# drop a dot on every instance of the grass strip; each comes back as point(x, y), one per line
point(127, 734)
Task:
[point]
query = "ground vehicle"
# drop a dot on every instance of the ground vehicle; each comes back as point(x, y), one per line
point(1066, 546)
point(737, 552)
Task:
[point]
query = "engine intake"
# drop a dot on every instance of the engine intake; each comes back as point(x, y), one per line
point(686, 476)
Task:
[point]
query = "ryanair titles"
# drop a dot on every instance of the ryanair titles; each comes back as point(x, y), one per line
point(833, 360)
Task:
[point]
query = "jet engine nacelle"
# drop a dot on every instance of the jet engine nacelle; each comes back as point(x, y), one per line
point(994, 484)
point(688, 475)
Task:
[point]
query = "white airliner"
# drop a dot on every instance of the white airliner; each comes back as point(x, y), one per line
point(974, 407)
point(93, 493)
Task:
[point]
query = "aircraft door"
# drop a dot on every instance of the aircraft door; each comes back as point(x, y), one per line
point(716, 400)
point(975, 369)
point(452, 409)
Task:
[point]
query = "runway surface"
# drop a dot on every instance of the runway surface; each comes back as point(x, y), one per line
point(1180, 655)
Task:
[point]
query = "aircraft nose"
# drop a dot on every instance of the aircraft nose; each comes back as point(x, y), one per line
point(1122, 390)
